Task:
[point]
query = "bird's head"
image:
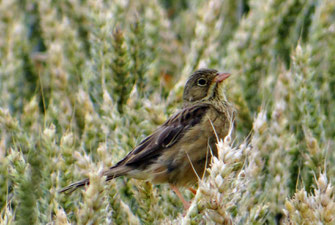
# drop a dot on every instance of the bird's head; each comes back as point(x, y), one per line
point(203, 85)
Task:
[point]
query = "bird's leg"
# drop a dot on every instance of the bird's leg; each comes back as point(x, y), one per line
point(185, 203)
point(192, 190)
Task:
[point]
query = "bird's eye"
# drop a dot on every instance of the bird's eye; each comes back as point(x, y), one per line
point(201, 82)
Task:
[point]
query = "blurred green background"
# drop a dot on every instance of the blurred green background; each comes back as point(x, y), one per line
point(83, 81)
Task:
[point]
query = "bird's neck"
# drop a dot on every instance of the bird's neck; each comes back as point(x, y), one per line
point(218, 100)
point(220, 103)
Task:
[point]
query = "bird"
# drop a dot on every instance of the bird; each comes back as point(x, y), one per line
point(180, 150)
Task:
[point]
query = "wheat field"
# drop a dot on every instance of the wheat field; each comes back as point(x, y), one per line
point(82, 82)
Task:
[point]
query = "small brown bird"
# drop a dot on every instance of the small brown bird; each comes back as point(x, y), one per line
point(180, 150)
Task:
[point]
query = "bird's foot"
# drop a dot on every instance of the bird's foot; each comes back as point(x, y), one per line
point(186, 204)
point(192, 190)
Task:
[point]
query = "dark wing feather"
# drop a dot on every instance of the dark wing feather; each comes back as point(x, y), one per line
point(164, 137)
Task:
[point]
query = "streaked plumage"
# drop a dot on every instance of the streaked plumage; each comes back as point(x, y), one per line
point(185, 142)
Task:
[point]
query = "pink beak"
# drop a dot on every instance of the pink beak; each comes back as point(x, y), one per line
point(221, 77)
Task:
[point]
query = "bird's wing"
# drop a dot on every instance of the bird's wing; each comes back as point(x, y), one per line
point(154, 145)
point(164, 137)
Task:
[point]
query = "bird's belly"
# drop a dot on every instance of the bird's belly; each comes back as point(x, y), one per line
point(187, 160)
point(191, 156)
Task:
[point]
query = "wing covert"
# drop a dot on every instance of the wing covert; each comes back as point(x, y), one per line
point(165, 136)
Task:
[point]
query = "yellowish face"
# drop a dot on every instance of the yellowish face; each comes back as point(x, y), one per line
point(200, 85)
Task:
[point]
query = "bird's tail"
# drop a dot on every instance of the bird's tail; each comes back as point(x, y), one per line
point(72, 187)
point(110, 174)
